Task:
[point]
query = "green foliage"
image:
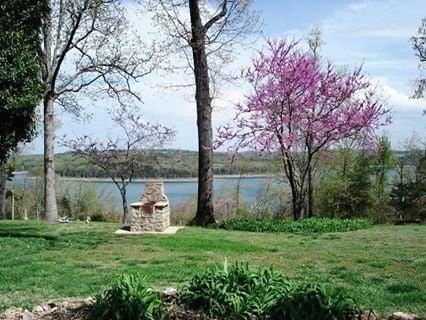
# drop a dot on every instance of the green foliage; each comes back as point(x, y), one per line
point(241, 292)
point(312, 225)
point(355, 184)
point(383, 162)
point(314, 302)
point(359, 196)
point(80, 200)
point(329, 195)
point(20, 72)
point(408, 195)
point(129, 298)
point(76, 200)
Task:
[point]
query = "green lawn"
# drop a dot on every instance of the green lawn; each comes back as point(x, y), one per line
point(384, 267)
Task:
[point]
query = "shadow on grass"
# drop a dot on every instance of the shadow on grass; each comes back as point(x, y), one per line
point(37, 231)
point(21, 234)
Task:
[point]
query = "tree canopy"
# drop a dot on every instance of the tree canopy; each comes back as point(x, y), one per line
point(20, 85)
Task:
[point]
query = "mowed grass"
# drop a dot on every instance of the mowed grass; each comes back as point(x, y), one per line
point(384, 267)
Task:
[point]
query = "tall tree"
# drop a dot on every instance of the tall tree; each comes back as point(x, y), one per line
point(296, 98)
point(120, 157)
point(206, 40)
point(20, 79)
point(87, 50)
point(383, 163)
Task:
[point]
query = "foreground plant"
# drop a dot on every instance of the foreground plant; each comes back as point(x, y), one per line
point(129, 298)
point(241, 292)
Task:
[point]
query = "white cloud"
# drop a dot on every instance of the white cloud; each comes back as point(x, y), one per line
point(359, 6)
point(402, 102)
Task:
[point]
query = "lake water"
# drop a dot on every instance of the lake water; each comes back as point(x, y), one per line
point(177, 191)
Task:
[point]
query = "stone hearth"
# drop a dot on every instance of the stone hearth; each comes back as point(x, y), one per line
point(152, 212)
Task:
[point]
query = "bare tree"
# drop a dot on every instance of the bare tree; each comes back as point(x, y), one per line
point(120, 157)
point(419, 46)
point(87, 49)
point(205, 34)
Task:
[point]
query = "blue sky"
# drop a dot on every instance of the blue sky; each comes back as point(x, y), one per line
point(374, 33)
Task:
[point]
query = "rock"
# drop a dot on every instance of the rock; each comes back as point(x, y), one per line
point(26, 315)
point(170, 294)
point(88, 301)
point(170, 291)
point(403, 316)
point(11, 314)
point(38, 310)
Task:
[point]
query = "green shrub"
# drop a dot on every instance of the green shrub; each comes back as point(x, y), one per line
point(330, 194)
point(246, 293)
point(313, 302)
point(312, 225)
point(128, 299)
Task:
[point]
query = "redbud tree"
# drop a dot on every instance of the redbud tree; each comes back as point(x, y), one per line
point(298, 107)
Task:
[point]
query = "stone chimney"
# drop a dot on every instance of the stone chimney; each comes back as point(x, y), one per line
point(152, 211)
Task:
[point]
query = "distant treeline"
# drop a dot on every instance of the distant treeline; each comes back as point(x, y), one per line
point(168, 164)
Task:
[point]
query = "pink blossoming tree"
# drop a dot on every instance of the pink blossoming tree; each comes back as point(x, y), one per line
point(298, 107)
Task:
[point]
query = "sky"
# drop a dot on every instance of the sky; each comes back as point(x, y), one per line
point(374, 33)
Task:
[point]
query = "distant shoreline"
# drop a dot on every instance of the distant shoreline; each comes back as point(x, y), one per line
point(189, 179)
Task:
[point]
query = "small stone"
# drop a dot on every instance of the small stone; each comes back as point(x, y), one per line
point(170, 292)
point(403, 316)
point(26, 315)
point(38, 310)
point(88, 301)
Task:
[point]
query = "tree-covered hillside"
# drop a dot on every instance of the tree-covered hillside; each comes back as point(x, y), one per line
point(169, 164)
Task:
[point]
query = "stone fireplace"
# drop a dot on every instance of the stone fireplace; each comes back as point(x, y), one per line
point(152, 212)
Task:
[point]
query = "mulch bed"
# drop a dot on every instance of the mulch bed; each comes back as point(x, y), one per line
point(76, 309)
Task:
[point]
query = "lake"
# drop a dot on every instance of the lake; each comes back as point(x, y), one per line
point(176, 190)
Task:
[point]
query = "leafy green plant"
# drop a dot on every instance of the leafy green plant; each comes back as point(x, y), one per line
point(128, 299)
point(312, 225)
point(241, 292)
point(313, 302)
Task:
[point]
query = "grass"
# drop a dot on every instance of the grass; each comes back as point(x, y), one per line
point(383, 267)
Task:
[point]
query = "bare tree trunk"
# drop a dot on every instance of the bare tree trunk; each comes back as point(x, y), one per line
point(125, 206)
point(2, 197)
point(50, 207)
point(205, 212)
point(310, 204)
point(51, 210)
point(310, 193)
point(295, 198)
point(295, 195)
point(297, 206)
